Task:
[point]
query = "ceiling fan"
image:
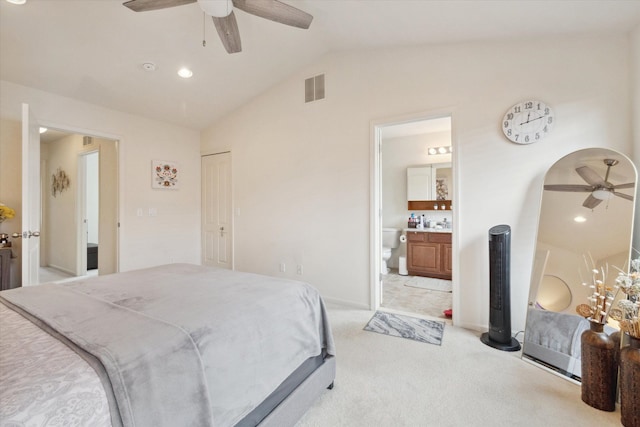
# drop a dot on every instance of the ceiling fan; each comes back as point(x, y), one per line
point(600, 189)
point(225, 21)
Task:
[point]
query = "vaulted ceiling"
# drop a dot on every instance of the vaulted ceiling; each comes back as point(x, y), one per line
point(93, 50)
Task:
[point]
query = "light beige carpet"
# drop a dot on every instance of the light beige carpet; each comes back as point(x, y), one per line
point(386, 381)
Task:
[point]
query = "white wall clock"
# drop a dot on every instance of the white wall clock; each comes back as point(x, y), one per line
point(528, 122)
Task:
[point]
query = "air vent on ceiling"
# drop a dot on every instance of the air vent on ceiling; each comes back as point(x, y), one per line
point(314, 88)
point(87, 140)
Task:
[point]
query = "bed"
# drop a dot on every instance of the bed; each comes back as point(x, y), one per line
point(171, 345)
point(553, 339)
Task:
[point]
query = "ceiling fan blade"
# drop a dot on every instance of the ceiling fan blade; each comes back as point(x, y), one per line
point(147, 5)
point(277, 11)
point(227, 28)
point(590, 176)
point(624, 196)
point(591, 202)
point(628, 185)
point(569, 187)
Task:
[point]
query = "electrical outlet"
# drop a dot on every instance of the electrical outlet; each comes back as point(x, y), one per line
point(283, 267)
point(299, 271)
point(139, 212)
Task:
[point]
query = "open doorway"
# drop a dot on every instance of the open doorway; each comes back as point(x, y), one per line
point(415, 262)
point(89, 211)
point(79, 206)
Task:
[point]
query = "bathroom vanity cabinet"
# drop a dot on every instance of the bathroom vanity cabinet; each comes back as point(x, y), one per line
point(429, 254)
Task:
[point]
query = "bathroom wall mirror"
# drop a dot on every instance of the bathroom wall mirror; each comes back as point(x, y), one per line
point(586, 218)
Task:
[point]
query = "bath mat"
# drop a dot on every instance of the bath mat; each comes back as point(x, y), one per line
point(427, 331)
point(429, 283)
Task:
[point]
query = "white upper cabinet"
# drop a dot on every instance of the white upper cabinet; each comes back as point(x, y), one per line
point(419, 183)
point(429, 182)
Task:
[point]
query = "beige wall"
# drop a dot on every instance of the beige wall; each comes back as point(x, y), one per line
point(172, 235)
point(301, 172)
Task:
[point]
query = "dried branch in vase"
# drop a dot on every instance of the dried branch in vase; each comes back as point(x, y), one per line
point(601, 299)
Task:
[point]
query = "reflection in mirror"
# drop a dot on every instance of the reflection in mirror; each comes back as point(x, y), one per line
point(586, 219)
point(553, 294)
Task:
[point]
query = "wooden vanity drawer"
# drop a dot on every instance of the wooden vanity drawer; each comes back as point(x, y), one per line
point(439, 237)
point(417, 236)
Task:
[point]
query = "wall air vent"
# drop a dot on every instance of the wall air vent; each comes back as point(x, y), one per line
point(87, 140)
point(314, 88)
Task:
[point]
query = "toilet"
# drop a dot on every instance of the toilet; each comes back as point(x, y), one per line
point(390, 241)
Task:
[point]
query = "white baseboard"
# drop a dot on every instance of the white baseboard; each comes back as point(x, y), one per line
point(345, 303)
point(64, 270)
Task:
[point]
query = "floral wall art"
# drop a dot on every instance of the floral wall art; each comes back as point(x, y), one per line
point(59, 182)
point(164, 174)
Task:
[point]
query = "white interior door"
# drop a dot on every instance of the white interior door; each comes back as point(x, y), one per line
point(30, 198)
point(216, 211)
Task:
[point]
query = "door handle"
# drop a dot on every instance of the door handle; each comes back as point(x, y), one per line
point(221, 231)
point(26, 234)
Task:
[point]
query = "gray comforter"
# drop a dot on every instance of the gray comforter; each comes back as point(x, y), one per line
point(184, 345)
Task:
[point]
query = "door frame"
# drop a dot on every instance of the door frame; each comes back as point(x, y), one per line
point(375, 208)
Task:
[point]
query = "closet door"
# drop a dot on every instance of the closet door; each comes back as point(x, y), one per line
point(217, 235)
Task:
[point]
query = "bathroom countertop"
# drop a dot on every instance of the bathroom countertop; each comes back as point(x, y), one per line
point(429, 230)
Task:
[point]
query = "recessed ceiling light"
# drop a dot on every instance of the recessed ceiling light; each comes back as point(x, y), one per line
point(17, 1)
point(579, 219)
point(149, 66)
point(185, 73)
point(43, 130)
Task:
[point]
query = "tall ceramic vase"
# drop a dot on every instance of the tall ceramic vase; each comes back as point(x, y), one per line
point(599, 354)
point(630, 383)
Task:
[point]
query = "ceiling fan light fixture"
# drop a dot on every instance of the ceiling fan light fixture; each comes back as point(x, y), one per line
point(602, 194)
point(579, 219)
point(217, 8)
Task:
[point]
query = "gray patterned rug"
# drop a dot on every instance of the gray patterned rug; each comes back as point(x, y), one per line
point(427, 331)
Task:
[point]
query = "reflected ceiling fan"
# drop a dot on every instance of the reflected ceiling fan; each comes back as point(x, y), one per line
point(600, 189)
point(225, 21)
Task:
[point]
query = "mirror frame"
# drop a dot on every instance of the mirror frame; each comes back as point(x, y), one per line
point(557, 362)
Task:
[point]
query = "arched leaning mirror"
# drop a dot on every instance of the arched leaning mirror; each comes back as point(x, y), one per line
point(586, 220)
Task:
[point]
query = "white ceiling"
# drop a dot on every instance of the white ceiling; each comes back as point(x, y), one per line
point(92, 50)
